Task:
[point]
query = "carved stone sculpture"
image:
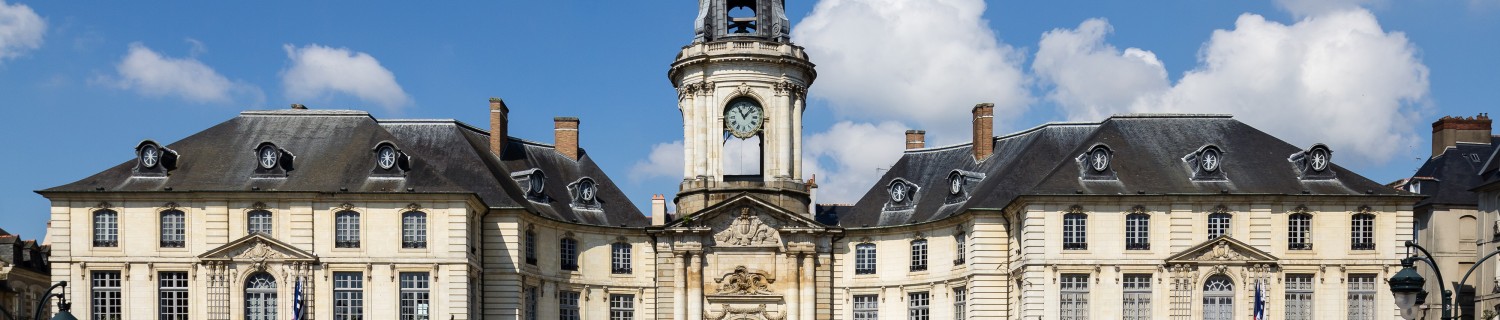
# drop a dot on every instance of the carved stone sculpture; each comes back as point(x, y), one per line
point(748, 230)
point(743, 281)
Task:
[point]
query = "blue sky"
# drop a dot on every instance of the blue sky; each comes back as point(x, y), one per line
point(81, 82)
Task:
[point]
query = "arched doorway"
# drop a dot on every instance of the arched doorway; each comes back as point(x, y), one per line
point(1218, 298)
point(260, 297)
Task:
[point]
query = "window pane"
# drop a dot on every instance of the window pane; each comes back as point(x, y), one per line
point(567, 305)
point(919, 255)
point(1074, 296)
point(105, 295)
point(172, 229)
point(1362, 233)
point(1299, 294)
point(531, 303)
point(620, 258)
point(414, 295)
point(346, 229)
point(1137, 233)
point(960, 303)
point(960, 241)
point(864, 258)
point(1362, 297)
point(866, 307)
point(1075, 236)
point(1298, 227)
point(1137, 296)
point(414, 230)
point(348, 295)
point(530, 247)
point(106, 228)
point(172, 292)
point(259, 221)
point(1218, 225)
point(917, 306)
point(621, 307)
point(569, 254)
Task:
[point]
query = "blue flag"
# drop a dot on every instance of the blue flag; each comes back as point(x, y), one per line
point(297, 305)
point(1260, 303)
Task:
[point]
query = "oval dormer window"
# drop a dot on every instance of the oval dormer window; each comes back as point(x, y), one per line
point(1211, 160)
point(587, 190)
point(150, 156)
point(536, 182)
point(385, 157)
point(1319, 158)
point(267, 156)
point(955, 183)
point(1099, 159)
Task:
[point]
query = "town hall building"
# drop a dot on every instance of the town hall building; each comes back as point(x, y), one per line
point(339, 215)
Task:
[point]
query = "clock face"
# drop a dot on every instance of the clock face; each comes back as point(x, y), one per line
point(386, 157)
point(743, 118)
point(267, 157)
point(1099, 160)
point(150, 156)
point(1210, 160)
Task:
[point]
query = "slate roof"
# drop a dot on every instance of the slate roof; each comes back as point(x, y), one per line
point(1149, 152)
point(333, 152)
point(1447, 178)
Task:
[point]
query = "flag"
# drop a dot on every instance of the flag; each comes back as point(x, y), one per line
point(297, 301)
point(1260, 303)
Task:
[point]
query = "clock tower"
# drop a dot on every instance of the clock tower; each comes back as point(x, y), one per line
point(741, 87)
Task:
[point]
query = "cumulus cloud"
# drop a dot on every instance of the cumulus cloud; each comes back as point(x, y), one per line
point(1304, 8)
point(150, 73)
point(849, 156)
point(1091, 77)
point(319, 72)
point(924, 62)
point(664, 161)
point(21, 30)
point(1337, 78)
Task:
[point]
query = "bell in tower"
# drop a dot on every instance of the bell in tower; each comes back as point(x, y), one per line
point(742, 87)
point(722, 19)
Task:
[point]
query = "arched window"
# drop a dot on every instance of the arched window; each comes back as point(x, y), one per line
point(258, 221)
point(919, 255)
point(173, 229)
point(1218, 224)
point(260, 297)
point(1075, 233)
point(864, 258)
point(346, 229)
point(1299, 231)
point(568, 252)
point(619, 258)
point(1362, 231)
point(106, 228)
point(414, 230)
point(1137, 231)
point(743, 141)
point(1218, 298)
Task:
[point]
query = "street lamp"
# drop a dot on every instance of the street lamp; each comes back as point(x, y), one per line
point(1407, 287)
point(62, 303)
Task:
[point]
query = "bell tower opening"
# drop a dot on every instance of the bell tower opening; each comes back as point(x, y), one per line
point(741, 16)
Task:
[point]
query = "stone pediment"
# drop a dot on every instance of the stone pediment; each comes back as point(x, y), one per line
point(257, 248)
point(741, 206)
point(1222, 250)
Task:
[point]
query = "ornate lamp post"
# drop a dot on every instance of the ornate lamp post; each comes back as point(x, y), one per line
point(1407, 284)
point(62, 303)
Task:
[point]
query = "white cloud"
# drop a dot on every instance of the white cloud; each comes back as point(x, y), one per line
point(1336, 78)
point(846, 158)
point(665, 161)
point(319, 72)
point(1091, 77)
point(151, 74)
point(922, 62)
point(1305, 8)
point(21, 30)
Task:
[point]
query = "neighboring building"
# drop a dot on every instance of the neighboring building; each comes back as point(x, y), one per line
point(1448, 220)
point(23, 275)
point(1134, 217)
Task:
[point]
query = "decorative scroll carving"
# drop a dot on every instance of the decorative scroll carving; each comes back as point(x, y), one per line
point(731, 313)
point(743, 281)
point(1221, 252)
point(748, 230)
point(258, 254)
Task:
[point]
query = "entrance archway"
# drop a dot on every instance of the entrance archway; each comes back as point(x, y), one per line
point(260, 297)
point(1218, 298)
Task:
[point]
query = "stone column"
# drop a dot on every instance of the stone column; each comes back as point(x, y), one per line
point(695, 285)
point(806, 272)
point(679, 286)
point(794, 293)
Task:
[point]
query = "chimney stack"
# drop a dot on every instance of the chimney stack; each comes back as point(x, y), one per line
point(916, 139)
point(499, 116)
point(1450, 130)
point(984, 130)
point(566, 131)
point(658, 210)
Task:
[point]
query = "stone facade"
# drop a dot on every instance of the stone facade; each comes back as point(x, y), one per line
point(23, 275)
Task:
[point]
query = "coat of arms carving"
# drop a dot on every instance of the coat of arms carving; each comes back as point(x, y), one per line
point(743, 281)
point(747, 230)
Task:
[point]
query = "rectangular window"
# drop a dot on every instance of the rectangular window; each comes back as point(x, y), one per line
point(1075, 235)
point(568, 253)
point(1218, 225)
point(960, 302)
point(1362, 297)
point(621, 307)
point(1299, 297)
point(173, 295)
point(1362, 233)
point(1074, 297)
point(105, 295)
point(346, 229)
point(531, 247)
point(1137, 232)
point(531, 303)
point(1137, 297)
point(959, 242)
point(172, 229)
point(414, 295)
point(916, 306)
point(866, 307)
point(619, 258)
point(1298, 227)
point(919, 255)
point(864, 258)
point(106, 228)
point(414, 230)
point(348, 296)
point(259, 221)
point(567, 305)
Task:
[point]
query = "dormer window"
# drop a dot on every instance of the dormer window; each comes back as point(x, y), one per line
point(153, 160)
point(1207, 163)
point(585, 194)
point(534, 182)
point(960, 185)
point(389, 160)
point(902, 193)
point(268, 156)
point(1097, 163)
point(272, 161)
point(1315, 163)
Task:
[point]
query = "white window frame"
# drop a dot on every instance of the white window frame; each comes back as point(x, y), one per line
point(1362, 291)
point(260, 221)
point(1362, 231)
point(917, 304)
point(105, 300)
point(1137, 231)
point(621, 307)
point(866, 307)
point(1075, 231)
point(414, 230)
point(531, 297)
point(960, 247)
point(567, 305)
point(1137, 296)
point(864, 258)
point(530, 247)
point(1219, 224)
point(960, 303)
point(172, 295)
point(348, 295)
point(346, 229)
point(619, 258)
point(1299, 231)
point(173, 228)
point(567, 250)
point(919, 255)
point(106, 228)
point(1073, 296)
point(415, 292)
point(1299, 296)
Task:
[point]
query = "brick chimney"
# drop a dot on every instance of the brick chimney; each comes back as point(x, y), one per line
point(1450, 130)
point(916, 139)
point(984, 130)
point(566, 131)
point(499, 118)
point(658, 210)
